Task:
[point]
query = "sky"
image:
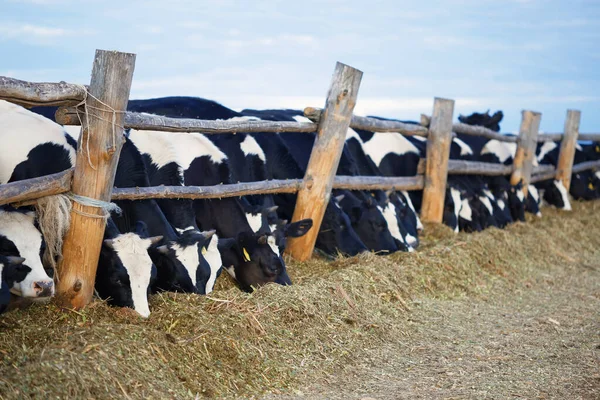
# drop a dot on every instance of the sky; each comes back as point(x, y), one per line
point(509, 55)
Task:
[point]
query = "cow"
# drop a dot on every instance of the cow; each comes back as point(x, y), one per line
point(12, 271)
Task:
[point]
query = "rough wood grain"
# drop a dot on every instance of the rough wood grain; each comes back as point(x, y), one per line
point(584, 166)
point(473, 130)
point(542, 177)
point(40, 94)
point(379, 182)
point(207, 192)
point(549, 137)
point(94, 175)
point(464, 167)
point(372, 124)
point(314, 196)
point(141, 121)
point(31, 189)
point(566, 156)
point(436, 165)
point(592, 137)
point(523, 161)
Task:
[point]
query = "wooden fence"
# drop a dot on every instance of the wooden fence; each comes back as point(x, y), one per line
point(107, 96)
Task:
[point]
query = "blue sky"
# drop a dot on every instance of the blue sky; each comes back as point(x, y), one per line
point(542, 55)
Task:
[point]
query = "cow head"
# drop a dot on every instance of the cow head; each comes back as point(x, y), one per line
point(183, 263)
point(516, 202)
point(533, 202)
point(409, 223)
point(483, 119)
point(336, 234)
point(126, 271)
point(369, 223)
point(555, 194)
point(469, 218)
point(452, 206)
point(11, 270)
point(20, 237)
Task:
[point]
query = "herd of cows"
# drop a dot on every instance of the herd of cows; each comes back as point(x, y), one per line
point(183, 245)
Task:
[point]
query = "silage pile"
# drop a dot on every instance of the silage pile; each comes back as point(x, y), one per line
point(234, 344)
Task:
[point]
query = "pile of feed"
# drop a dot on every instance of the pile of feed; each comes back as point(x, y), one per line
point(277, 339)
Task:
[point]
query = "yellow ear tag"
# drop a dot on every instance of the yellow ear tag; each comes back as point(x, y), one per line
point(203, 251)
point(590, 186)
point(246, 255)
point(598, 149)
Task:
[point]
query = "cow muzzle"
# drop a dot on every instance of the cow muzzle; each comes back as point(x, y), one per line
point(43, 288)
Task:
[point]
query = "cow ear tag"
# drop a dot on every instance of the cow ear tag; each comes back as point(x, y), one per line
point(590, 186)
point(246, 255)
point(203, 250)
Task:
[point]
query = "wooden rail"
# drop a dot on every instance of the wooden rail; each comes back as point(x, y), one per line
point(473, 130)
point(141, 121)
point(584, 166)
point(372, 124)
point(40, 94)
point(31, 189)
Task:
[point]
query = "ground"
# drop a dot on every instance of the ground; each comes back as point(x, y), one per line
point(511, 313)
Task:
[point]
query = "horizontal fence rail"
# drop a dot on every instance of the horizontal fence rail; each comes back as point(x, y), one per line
point(373, 124)
point(142, 121)
point(464, 167)
point(208, 192)
point(41, 94)
point(31, 189)
point(473, 130)
point(584, 166)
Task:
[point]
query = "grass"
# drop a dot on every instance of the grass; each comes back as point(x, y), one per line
point(231, 344)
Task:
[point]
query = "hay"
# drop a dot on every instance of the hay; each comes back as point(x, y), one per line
point(232, 344)
point(54, 218)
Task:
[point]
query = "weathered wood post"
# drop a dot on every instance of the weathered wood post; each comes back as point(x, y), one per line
point(526, 145)
point(99, 146)
point(567, 148)
point(314, 195)
point(436, 164)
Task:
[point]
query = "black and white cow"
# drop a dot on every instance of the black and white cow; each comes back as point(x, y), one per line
point(32, 146)
point(12, 271)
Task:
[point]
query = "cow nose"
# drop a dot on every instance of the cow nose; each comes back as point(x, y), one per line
point(43, 288)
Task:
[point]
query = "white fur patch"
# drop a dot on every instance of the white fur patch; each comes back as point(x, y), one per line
point(520, 195)
point(563, 193)
point(20, 131)
point(382, 144)
point(156, 145)
point(534, 193)
point(20, 229)
point(1, 268)
point(420, 138)
point(502, 150)
point(213, 257)
point(465, 149)
point(189, 257)
point(351, 133)
point(273, 245)
point(249, 146)
point(465, 210)
point(455, 194)
point(578, 146)
point(301, 118)
point(389, 214)
point(412, 207)
point(545, 149)
point(133, 253)
point(501, 204)
point(487, 203)
point(597, 173)
point(180, 231)
point(255, 221)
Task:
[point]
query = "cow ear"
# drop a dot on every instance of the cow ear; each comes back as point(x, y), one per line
point(155, 240)
point(339, 198)
point(298, 228)
point(12, 260)
point(109, 243)
point(141, 229)
point(163, 249)
point(497, 117)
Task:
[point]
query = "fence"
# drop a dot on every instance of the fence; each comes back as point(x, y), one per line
point(100, 108)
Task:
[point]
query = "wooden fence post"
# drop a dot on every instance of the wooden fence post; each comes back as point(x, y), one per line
point(314, 195)
point(99, 146)
point(567, 148)
point(526, 146)
point(436, 164)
